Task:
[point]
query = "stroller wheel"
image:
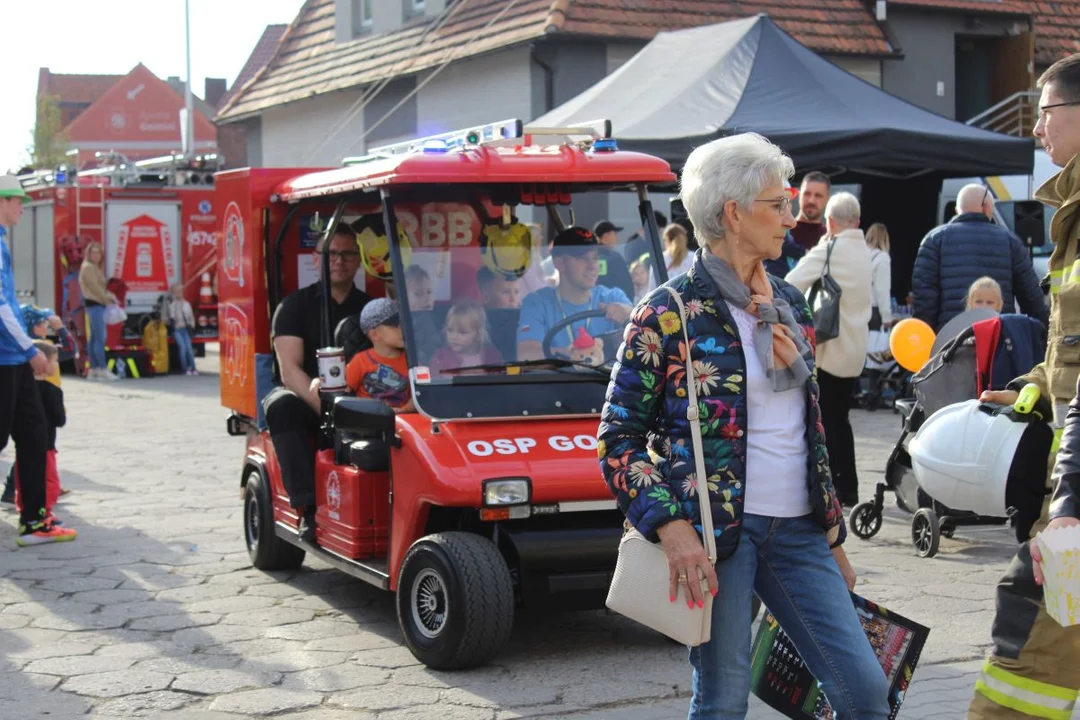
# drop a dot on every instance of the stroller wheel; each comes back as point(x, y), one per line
point(925, 533)
point(865, 520)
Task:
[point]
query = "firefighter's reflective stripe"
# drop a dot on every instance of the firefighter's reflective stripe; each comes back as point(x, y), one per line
point(1056, 445)
point(1031, 697)
point(1064, 276)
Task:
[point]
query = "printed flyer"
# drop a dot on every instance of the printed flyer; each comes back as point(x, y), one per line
point(781, 679)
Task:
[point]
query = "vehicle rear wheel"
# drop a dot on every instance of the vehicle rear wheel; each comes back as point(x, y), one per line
point(455, 600)
point(266, 550)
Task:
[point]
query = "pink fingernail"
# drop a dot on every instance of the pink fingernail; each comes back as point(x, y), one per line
point(690, 604)
point(672, 598)
point(701, 603)
point(715, 592)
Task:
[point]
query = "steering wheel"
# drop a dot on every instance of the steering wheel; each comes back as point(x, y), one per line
point(559, 327)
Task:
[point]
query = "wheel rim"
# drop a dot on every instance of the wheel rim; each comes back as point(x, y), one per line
point(866, 522)
point(430, 604)
point(922, 534)
point(252, 521)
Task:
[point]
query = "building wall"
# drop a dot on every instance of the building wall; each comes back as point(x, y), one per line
point(869, 69)
point(619, 52)
point(928, 40)
point(479, 90)
point(299, 134)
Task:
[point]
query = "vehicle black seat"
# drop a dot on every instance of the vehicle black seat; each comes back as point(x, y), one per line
point(349, 337)
point(362, 427)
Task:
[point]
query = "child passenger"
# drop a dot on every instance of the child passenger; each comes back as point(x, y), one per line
point(382, 372)
point(467, 341)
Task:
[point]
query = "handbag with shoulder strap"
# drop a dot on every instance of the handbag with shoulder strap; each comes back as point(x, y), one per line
point(826, 309)
point(639, 589)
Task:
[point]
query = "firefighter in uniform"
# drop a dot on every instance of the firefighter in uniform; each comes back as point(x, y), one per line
point(1034, 669)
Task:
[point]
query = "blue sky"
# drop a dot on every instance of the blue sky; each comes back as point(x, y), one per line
point(113, 36)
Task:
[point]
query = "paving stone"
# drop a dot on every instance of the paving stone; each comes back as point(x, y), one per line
point(353, 643)
point(148, 704)
point(336, 678)
point(195, 593)
point(438, 712)
point(294, 660)
point(377, 699)
point(71, 584)
point(269, 617)
point(164, 623)
point(312, 630)
point(265, 702)
point(112, 597)
point(219, 682)
point(235, 604)
point(205, 637)
point(187, 663)
point(116, 684)
point(79, 665)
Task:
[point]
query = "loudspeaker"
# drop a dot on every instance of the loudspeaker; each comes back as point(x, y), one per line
point(1029, 223)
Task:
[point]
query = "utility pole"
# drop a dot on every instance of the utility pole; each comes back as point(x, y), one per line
point(189, 105)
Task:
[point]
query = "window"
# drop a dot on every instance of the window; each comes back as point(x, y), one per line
point(362, 16)
point(418, 5)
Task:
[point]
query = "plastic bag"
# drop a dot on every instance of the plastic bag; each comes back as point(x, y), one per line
point(114, 314)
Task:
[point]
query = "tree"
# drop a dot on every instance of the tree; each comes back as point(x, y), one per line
point(49, 145)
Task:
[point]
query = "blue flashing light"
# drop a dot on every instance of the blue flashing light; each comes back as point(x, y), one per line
point(605, 145)
point(436, 145)
point(61, 175)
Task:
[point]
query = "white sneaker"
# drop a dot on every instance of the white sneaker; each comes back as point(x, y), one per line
point(93, 374)
point(108, 376)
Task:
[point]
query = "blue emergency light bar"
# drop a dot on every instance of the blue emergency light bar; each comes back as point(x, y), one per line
point(597, 131)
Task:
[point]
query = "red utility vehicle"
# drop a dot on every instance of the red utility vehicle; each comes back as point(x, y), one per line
point(489, 496)
point(156, 221)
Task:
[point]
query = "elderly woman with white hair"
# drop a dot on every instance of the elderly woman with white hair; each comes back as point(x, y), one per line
point(841, 360)
point(777, 522)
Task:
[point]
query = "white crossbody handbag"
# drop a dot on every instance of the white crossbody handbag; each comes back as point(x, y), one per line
point(639, 589)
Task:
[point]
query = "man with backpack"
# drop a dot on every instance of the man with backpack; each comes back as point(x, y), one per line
point(1034, 669)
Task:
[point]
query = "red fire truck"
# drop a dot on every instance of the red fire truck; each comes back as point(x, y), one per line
point(157, 222)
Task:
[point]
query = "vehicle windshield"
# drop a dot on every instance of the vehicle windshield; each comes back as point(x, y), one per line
point(488, 298)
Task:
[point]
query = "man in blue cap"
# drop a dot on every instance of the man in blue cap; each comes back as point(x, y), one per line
point(22, 416)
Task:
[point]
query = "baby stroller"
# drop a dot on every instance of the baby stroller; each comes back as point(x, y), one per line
point(986, 355)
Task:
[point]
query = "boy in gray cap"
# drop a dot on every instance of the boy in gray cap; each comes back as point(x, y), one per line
point(382, 372)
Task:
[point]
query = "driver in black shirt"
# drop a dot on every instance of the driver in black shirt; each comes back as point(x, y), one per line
point(293, 410)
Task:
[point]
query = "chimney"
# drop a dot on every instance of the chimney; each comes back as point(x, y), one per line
point(214, 90)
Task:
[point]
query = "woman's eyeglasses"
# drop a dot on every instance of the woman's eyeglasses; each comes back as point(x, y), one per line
point(780, 205)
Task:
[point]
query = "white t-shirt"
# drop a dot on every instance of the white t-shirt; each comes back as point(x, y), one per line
point(776, 454)
point(683, 267)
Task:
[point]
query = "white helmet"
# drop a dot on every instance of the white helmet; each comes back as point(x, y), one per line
point(968, 456)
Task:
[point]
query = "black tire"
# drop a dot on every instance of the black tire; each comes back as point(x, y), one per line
point(455, 600)
point(865, 520)
point(266, 550)
point(925, 533)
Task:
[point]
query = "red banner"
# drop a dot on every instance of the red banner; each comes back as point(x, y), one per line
point(144, 255)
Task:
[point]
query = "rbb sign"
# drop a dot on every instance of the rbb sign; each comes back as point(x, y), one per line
point(435, 225)
point(524, 445)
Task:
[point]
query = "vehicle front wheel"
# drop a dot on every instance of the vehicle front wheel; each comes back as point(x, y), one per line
point(455, 600)
point(266, 550)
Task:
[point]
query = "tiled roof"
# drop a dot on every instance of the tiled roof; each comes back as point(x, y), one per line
point(264, 50)
point(82, 89)
point(837, 26)
point(1057, 29)
point(1006, 7)
point(310, 62)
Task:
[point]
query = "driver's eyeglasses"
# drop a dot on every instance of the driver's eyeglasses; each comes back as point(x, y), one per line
point(343, 255)
point(780, 205)
point(1044, 108)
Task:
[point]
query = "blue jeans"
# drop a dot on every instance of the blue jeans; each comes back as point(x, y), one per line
point(182, 337)
point(788, 563)
point(96, 343)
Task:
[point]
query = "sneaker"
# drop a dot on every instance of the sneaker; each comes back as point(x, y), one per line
point(108, 376)
point(50, 518)
point(43, 533)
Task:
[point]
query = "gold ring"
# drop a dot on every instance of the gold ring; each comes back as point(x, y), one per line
point(682, 578)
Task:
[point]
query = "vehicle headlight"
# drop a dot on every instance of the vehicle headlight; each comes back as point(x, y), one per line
point(506, 491)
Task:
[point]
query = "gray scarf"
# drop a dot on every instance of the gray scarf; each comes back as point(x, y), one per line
point(733, 290)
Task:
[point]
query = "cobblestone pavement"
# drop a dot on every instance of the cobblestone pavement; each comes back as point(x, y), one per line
point(156, 612)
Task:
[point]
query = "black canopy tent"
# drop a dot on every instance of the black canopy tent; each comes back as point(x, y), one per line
point(690, 86)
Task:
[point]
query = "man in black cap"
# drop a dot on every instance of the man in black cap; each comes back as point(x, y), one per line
point(614, 271)
point(576, 255)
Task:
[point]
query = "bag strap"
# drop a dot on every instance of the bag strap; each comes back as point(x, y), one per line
point(695, 436)
point(826, 269)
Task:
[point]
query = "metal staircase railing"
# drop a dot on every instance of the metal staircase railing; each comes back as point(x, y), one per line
point(1015, 115)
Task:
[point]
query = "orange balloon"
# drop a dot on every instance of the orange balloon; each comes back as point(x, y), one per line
point(910, 342)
